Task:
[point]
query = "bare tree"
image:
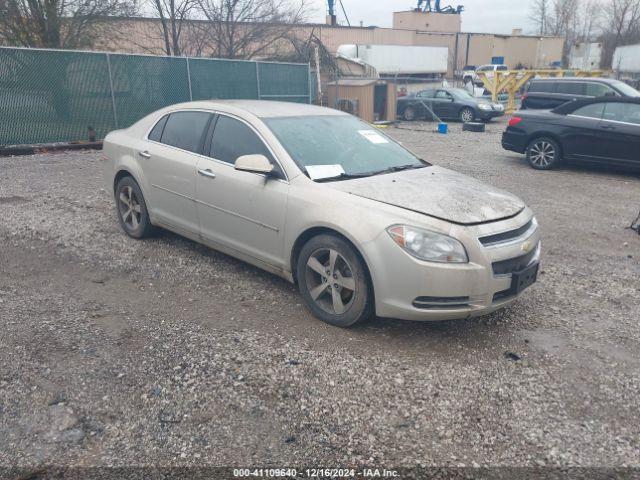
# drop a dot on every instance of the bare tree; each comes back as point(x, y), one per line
point(621, 27)
point(57, 23)
point(589, 15)
point(173, 15)
point(250, 28)
point(539, 14)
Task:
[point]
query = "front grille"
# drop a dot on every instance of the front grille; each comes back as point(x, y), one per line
point(505, 267)
point(505, 236)
point(441, 303)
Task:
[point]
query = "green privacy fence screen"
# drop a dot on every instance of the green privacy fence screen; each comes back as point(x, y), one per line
point(58, 95)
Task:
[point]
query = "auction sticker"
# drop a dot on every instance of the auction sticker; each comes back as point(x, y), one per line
point(373, 136)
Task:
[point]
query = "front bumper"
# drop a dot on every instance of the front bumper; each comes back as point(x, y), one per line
point(410, 289)
point(489, 114)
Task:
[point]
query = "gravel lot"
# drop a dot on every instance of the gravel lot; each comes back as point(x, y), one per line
point(122, 352)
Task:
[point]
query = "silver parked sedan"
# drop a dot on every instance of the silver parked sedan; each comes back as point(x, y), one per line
point(319, 197)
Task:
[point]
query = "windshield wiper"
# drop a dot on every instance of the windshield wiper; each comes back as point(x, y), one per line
point(399, 168)
point(348, 176)
point(343, 176)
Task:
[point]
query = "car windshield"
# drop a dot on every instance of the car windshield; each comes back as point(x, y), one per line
point(340, 146)
point(461, 93)
point(627, 90)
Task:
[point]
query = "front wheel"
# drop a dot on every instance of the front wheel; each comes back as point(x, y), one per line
point(132, 209)
point(333, 281)
point(467, 115)
point(543, 153)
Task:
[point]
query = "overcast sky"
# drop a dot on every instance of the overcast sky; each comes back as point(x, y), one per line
point(493, 16)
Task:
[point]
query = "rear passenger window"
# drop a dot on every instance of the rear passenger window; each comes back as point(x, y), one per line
point(570, 88)
point(542, 87)
point(184, 130)
point(233, 138)
point(156, 132)
point(595, 110)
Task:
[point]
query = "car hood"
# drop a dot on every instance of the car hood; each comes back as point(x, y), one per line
point(437, 192)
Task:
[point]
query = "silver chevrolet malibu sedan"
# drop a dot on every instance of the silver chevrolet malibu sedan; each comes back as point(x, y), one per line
point(361, 225)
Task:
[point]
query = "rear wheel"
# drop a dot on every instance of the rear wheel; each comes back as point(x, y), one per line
point(467, 115)
point(409, 114)
point(543, 153)
point(333, 281)
point(132, 209)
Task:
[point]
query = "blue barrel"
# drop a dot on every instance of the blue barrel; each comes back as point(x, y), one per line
point(443, 128)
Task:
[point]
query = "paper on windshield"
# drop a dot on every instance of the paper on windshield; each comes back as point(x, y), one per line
point(373, 136)
point(324, 171)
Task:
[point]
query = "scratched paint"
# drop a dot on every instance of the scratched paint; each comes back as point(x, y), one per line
point(437, 192)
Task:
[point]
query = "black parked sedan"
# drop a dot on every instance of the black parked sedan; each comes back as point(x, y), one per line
point(599, 130)
point(449, 103)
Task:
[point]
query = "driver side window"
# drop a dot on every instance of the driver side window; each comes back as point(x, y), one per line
point(232, 139)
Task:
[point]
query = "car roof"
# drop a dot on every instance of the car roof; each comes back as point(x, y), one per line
point(575, 79)
point(575, 104)
point(262, 108)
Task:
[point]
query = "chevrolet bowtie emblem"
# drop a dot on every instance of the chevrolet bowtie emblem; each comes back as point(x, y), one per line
point(526, 246)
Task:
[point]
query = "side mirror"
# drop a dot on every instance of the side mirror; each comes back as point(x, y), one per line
point(254, 163)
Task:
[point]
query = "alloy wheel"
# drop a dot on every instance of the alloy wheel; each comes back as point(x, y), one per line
point(542, 153)
point(467, 115)
point(330, 281)
point(129, 207)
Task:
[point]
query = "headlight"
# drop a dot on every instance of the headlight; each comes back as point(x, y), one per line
point(484, 106)
point(429, 246)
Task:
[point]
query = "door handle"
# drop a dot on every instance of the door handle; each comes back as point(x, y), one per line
point(144, 154)
point(608, 127)
point(206, 173)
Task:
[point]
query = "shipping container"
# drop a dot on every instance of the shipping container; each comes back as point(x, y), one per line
point(627, 59)
point(398, 59)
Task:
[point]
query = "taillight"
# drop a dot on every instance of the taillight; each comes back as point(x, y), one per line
point(513, 121)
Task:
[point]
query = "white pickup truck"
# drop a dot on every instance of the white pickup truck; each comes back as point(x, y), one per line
point(472, 75)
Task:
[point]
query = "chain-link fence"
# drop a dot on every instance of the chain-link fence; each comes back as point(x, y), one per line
point(63, 96)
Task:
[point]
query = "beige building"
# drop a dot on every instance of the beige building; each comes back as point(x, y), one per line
point(143, 35)
point(427, 21)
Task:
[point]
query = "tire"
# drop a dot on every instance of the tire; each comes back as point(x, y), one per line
point(543, 153)
point(473, 127)
point(409, 114)
point(467, 115)
point(132, 209)
point(343, 296)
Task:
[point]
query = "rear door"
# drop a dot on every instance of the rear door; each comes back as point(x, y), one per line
point(241, 210)
point(423, 103)
point(443, 104)
point(169, 164)
point(580, 133)
point(619, 133)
